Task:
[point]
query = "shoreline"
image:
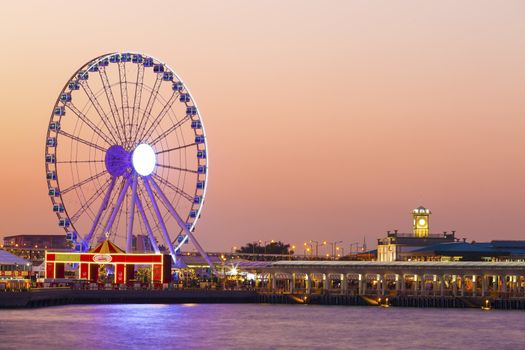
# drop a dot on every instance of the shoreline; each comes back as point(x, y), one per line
point(65, 296)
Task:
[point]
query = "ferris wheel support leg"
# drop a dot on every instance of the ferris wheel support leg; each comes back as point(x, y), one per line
point(121, 196)
point(146, 223)
point(129, 240)
point(182, 225)
point(159, 217)
point(184, 239)
point(100, 210)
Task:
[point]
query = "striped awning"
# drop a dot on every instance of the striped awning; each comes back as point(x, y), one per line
point(106, 247)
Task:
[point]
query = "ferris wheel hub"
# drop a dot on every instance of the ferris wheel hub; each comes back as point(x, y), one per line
point(117, 160)
point(144, 159)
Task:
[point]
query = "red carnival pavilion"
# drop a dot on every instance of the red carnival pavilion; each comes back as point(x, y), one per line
point(107, 253)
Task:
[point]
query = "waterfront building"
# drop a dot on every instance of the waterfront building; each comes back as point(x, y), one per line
point(421, 245)
point(36, 241)
point(399, 246)
point(373, 278)
point(33, 247)
point(106, 253)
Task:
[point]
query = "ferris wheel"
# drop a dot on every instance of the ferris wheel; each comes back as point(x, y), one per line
point(127, 157)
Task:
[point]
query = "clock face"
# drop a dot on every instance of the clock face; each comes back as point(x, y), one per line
point(422, 222)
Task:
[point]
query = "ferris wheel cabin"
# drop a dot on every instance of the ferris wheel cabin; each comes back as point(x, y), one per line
point(54, 126)
point(58, 208)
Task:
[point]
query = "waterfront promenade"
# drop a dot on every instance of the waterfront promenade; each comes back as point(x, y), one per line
point(418, 284)
point(60, 296)
point(64, 296)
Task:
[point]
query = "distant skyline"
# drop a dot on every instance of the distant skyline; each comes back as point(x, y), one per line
point(326, 120)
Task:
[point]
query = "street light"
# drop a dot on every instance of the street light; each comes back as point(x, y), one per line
point(307, 248)
point(334, 245)
point(340, 249)
point(317, 246)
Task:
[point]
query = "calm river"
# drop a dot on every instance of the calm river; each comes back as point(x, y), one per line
point(246, 326)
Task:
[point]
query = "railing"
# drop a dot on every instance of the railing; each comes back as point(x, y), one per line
point(411, 235)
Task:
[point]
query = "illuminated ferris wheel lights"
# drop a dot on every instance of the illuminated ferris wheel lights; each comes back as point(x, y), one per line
point(143, 159)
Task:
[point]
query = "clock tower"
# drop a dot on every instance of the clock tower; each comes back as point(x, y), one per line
point(420, 217)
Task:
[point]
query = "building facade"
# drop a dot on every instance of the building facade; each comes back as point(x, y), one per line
point(33, 247)
point(36, 241)
point(400, 246)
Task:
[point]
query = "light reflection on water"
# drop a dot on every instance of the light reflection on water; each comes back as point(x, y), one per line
point(245, 326)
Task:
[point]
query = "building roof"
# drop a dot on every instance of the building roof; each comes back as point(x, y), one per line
point(422, 210)
point(37, 236)
point(339, 263)
point(494, 248)
point(197, 260)
point(106, 247)
point(7, 258)
point(457, 248)
point(509, 244)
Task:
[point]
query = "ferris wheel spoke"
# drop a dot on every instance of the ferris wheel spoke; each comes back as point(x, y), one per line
point(184, 239)
point(89, 123)
point(160, 116)
point(83, 182)
point(108, 210)
point(81, 140)
point(116, 223)
point(176, 148)
point(159, 218)
point(103, 207)
point(78, 161)
point(146, 223)
point(174, 188)
point(90, 201)
point(177, 168)
point(170, 130)
point(94, 102)
point(129, 240)
point(117, 206)
point(111, 100)
point(138, 96)
point(149, 106)
point(124, 97)
point(148, 209)
point(180, 222)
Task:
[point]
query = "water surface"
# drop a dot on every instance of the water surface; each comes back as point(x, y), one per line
point(247, 326)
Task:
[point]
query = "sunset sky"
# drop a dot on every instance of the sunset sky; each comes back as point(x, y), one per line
point(326, 120)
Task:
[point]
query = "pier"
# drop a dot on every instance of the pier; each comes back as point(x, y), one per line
point(399, 278)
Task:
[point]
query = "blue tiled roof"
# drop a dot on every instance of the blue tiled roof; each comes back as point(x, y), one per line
point(464, 248)
point(509, 244)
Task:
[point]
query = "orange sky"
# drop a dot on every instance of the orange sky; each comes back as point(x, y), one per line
point(326, 119)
